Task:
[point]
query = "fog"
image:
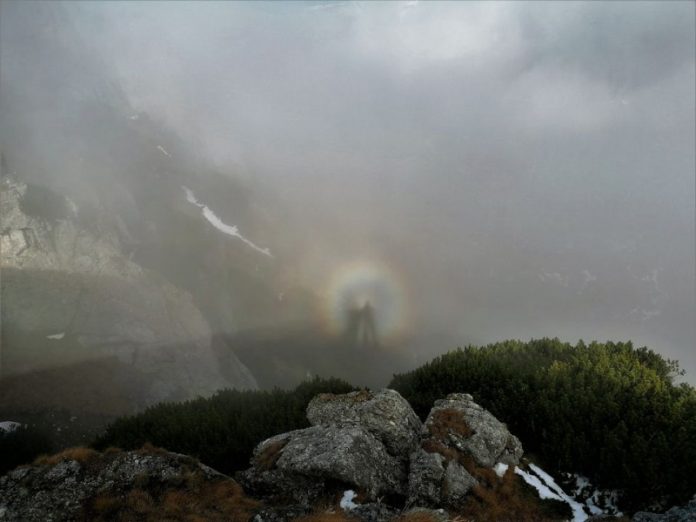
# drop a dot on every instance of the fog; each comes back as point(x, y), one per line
point(519, 170)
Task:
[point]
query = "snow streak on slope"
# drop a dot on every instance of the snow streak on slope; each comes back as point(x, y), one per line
point(214, 220)
point(547, 488)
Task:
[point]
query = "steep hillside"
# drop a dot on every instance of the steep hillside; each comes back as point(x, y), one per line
point(70, 294)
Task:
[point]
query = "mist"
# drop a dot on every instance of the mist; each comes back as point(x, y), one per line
point(517, 170)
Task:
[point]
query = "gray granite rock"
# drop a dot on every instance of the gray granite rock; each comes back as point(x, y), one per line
point(472, 429)
point(385, 414)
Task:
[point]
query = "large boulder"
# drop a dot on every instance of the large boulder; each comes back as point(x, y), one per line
point(459, 422)
point(304, 464)
point(385, 414)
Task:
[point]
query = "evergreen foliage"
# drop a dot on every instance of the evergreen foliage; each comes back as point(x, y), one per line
point(222, 430)
point(606, 410)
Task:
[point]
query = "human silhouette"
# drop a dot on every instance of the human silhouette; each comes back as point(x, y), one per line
point(361, 331)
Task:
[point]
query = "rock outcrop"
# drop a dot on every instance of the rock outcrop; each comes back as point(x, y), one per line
point(459, 437)
point(685, 513)
point(374, 443)
point(70, 293)
point(366, 454)
point(358, 440)
point(462, 424)
point(386, 415)
point(81, 484)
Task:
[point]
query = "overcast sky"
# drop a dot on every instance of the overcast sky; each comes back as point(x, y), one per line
point(528, 168)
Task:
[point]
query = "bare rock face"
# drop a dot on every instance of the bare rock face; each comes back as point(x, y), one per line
point(385, 414)
point(303, 464)
point(461, 423)
point(456, 484)
point(70, 294)
point(425, 476)
point(436, 481)
point(359, 440)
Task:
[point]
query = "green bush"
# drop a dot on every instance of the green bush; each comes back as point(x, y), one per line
point(222, 430)
point(606, 410)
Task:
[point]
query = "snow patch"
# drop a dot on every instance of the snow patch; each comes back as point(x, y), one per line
point(500, 469)
point(56, 336)
point(213, 219)
point(594, 497)
point(547, 488)
point(347, 500)
point(9, 426)
point(163, 151)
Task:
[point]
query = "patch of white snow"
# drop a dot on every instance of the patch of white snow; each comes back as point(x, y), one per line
point(213, 219)
point(56, 337)
point(547, 488)
point(500, 469)
point(347, 500)
point(8, 426)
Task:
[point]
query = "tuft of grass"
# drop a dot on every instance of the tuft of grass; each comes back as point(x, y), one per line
point(106, 505)
point(337, 515)
point(149, 449)
point(80, 454)
point(416, 516)
point(449, 420)
point(267, 459)
point(435, 446)
point(139, 501)
point(219, 501)
point(509, 498)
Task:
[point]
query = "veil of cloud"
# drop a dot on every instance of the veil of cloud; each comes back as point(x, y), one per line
point(529, 166)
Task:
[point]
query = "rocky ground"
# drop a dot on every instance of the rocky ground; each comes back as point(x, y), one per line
point(366, 456)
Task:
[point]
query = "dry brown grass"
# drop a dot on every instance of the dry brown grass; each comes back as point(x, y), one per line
point(485, 475)
point(449, 420)
point(435, 446)
point(337, 515)
point(360, 396)
point(218, 501)
point(494, 499)
point(106, 504)
point(267, 459)
point(80, 454)
point(415, 516)
point(505, 499)
point(150, 449)
point(139, 501)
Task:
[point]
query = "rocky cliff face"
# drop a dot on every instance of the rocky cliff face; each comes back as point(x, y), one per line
point(70, 294)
